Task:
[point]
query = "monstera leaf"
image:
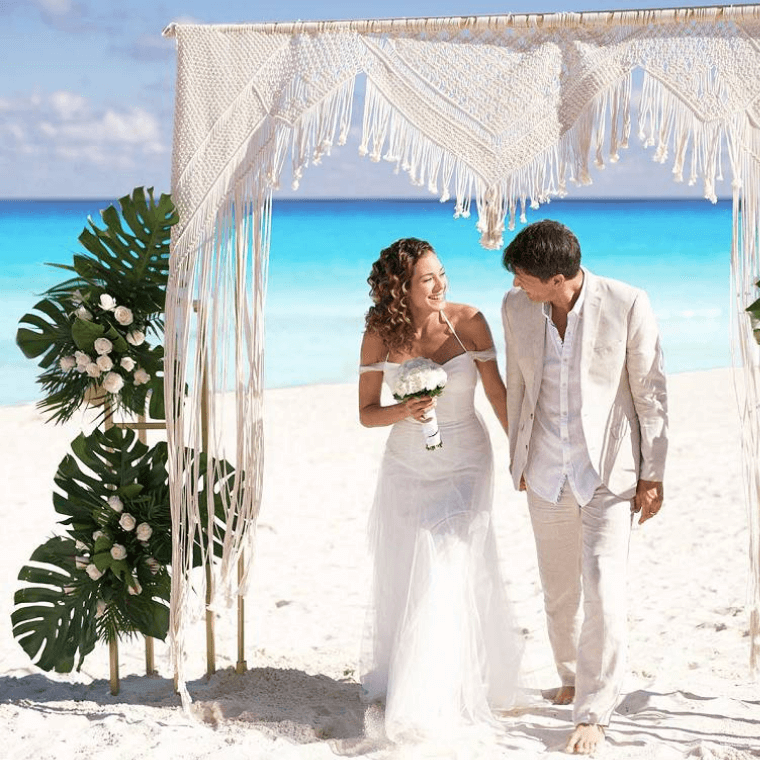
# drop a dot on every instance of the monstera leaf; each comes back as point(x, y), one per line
point(130, 256)
point(54, 618)
point(117, 296)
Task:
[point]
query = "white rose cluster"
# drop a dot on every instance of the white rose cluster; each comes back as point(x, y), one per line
point(105, 366)
point(419, 376)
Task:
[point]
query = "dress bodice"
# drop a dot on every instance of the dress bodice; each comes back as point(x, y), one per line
point(457, 400)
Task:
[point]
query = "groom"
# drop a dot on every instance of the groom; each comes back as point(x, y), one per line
point(587, 411)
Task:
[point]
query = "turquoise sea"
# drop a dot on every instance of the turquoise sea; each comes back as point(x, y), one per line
point(678, 250)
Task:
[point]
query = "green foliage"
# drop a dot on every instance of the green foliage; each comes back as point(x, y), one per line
point(55, 613)
point(110, 576)
point(118, 293)
point(754, 312)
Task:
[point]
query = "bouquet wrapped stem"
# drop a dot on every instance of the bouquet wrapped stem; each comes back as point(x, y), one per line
point(417, 378)
point(431, 431)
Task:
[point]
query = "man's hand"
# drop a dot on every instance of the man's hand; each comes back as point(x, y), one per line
point(648, 499)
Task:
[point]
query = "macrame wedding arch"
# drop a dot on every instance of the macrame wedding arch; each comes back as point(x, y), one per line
point(501, 111)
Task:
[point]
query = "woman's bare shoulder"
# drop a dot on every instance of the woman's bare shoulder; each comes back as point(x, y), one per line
point(373, 348)
point(469, 323)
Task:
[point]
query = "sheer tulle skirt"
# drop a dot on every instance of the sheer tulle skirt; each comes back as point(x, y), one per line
point(442, 649)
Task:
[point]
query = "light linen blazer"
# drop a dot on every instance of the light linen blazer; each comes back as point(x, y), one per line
point(623, 389)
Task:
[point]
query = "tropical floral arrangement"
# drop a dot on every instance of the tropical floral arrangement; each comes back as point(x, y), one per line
point(422, 377)
point(107, 577)
point(100, 332)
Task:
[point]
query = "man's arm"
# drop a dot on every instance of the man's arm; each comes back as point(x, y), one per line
point(646, 376)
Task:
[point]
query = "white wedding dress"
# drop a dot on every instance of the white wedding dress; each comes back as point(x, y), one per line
point(442, 650)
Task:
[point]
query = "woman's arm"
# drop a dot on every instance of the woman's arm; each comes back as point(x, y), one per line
point(371, 412)
point(474, 329)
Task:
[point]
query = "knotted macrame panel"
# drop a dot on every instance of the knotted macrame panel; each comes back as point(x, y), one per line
point(499, 112)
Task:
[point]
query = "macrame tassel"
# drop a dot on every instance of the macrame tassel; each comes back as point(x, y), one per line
point(667, 121)
point(314, 133)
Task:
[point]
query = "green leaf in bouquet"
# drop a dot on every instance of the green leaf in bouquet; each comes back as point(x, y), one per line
point(131, 490)
point(50, 338)
point(120, 344)
point(85, 334)
point(147, 615)
point(754, 308)
point(157, 408)
point(103, 544)
point(103, 560)
point(121, 570)
point(53, 616)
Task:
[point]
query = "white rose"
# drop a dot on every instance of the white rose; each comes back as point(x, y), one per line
point(127, 521)
point(82, 358)
point(123, 315)
point(144, 532)
point(92, 370)
point(136, 589)
point(113, 382)
point(107, 303)
point(98, 534)
point(76, 297)
point(128, 363)
point(81, 562)
point(67, 362)
point(104, 363)
point(141, 376)
point(93, 572)
point(69, 590)
point(153, 565)
point(100, 608)
point(103, 346)
point(81, 546)
point(118, 552)
point(81, 369)
point(115, 503)
point(82, 313)
point(136, 337)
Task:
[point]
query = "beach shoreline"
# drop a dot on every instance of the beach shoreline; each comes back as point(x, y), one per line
point(688, 692)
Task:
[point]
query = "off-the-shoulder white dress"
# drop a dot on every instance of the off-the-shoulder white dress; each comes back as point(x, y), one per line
point(442, 649)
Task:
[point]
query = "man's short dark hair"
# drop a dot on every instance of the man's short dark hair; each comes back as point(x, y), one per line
point(544, 249)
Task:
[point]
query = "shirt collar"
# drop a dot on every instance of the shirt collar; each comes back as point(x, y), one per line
point(577, 306)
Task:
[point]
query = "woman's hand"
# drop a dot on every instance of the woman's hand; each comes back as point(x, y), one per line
point(419, 407)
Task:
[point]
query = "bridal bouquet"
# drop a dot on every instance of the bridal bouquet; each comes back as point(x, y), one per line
point(422, 377)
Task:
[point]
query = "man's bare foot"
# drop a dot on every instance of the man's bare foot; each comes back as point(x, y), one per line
point(564, 696)
point(585, 740)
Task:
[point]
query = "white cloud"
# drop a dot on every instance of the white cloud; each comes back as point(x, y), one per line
point(67, 104)
point(55, 7)
point(66, 125)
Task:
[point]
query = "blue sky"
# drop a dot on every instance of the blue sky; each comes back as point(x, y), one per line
point(87, 91)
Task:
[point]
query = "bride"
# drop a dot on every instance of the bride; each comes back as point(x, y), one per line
point(444, 650)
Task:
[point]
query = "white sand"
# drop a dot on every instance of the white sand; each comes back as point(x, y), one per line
point(688, 694)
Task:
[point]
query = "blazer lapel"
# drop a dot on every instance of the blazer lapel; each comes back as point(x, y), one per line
point(592, 311)
point(535, 337)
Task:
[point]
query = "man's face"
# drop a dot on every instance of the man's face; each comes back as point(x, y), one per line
point(539, 291)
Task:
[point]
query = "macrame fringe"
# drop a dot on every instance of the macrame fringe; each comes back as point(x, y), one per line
point(388, 135)
point(215, 332)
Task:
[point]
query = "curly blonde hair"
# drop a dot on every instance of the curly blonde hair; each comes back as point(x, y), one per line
point(389, 284)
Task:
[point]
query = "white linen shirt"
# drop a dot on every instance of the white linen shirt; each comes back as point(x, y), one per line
point(558, 449)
